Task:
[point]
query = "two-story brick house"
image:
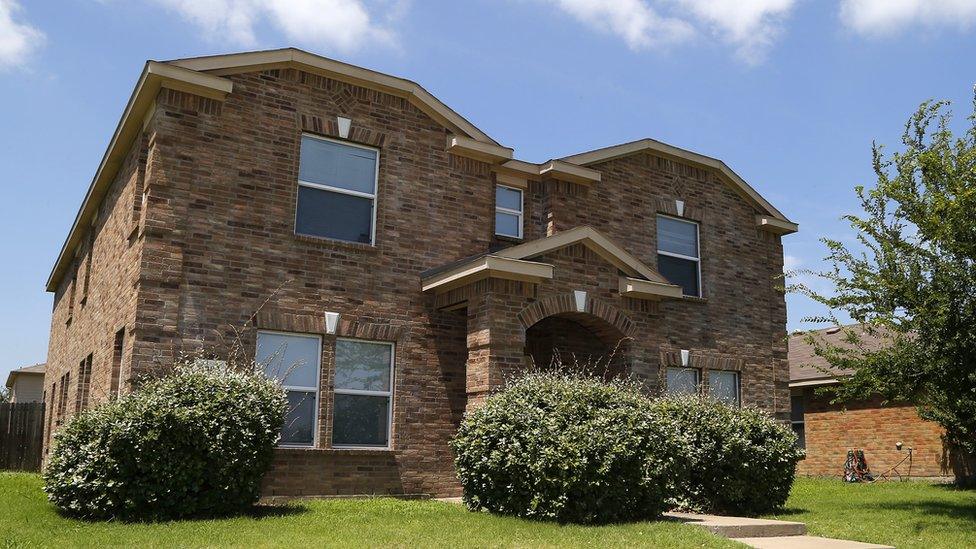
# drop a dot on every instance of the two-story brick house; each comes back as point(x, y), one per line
point(413, 262)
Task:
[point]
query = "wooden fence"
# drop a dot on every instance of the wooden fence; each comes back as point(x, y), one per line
point(21, 435)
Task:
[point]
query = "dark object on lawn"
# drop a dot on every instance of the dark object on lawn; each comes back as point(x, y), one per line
point(856, 467)
point(196, 442)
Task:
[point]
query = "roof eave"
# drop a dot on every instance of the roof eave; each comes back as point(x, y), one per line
point(616, 151)
point(154, 77)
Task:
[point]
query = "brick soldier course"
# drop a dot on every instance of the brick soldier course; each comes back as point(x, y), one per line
point(190, 225)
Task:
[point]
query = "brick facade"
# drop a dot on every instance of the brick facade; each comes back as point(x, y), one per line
point(832, 429)
point(197, 231)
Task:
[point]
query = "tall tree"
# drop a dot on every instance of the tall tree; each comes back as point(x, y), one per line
point(911, 281)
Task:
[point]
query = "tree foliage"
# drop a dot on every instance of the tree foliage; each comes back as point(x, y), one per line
point(910, 280)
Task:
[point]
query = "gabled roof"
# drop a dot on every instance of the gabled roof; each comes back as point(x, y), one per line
point(592, 239)
point(235, 63)
point(640, 281)
point(737, 183)
point(35, 370)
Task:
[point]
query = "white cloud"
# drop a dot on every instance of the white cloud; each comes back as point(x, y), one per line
point(639, 25)
point(750, 26)
point(342, 24)
point(878, 17)
point(791, 262)
point(18, 40)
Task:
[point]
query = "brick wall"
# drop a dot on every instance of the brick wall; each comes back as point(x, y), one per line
point(832, 429)
point(97, 298)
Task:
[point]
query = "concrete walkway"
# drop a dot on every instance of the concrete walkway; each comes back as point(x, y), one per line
point(768, 534)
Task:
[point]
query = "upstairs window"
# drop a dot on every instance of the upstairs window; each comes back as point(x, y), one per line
point(293, 359)
point(336, 190)
point(678, 258)
point(508, 211)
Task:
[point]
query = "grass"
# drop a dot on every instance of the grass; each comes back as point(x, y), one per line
point(28, 520)
point(902, 514)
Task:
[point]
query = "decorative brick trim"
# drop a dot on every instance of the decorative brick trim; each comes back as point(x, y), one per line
point(470, 165)
point(668, 207)
point(189, 102)
point(288, 322)
point(369, 330)
point(566, 303)
point(329, 127)
point(459, 295)
point(705, 360)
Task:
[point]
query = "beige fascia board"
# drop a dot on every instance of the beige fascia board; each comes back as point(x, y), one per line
point(236, 63)
point(591, 238)
point(154, 77)
point(519, 168)
point(775, 226)
point(616, 151)
point(814, 382)
point(645, 289)
point(565, 171)
point(478, 150)
point(503, 178)
point(489, 266)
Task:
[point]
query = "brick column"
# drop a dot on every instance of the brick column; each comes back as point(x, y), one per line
point(496, 342)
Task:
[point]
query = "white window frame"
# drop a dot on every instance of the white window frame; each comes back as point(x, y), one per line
point(738, 384)
point(318, 377)
point(518, 213)
point(361, 392)
point(374, 196)
point(697, 260)
point(698, 379)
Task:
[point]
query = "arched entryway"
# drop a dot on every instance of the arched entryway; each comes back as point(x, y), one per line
point(577, 341)
point(575, 330)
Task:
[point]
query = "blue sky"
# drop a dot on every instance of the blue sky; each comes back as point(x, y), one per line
point(790, 93)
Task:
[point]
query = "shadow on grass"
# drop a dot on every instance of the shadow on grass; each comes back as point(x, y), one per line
point(256, 512)
point(958, 511)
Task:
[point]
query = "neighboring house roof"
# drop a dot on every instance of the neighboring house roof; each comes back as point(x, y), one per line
point(205, 76)
point(808, 369)
point(35, 370)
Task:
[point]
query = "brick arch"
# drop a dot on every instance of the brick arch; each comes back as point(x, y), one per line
point(566, 305)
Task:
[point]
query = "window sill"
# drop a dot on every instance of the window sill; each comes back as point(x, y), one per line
point(694, 299)
point(334, 243)
point(340, 451)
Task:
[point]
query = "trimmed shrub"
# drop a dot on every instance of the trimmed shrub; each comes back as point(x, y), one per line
point(195, 442)
point(739, 460)
point(565, 447)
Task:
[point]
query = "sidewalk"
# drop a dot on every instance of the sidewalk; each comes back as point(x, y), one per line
point(768, 534)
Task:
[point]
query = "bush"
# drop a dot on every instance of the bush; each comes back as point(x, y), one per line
point(566, 447)
point(195, 442)
point(740, 460)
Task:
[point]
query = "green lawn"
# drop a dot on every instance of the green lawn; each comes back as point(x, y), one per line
point(902, 514)
point(27, 520)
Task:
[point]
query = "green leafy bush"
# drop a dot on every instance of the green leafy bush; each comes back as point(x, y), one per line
point(740, 460)
point(566, 447)
point(195, 442)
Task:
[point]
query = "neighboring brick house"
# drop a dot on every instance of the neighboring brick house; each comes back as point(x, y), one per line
point(828, 431)
point(26, 384)
point(417, 262)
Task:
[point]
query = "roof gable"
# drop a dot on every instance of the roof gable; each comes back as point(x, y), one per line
point(235, 63)
point(782, 224)
point(592, 239)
